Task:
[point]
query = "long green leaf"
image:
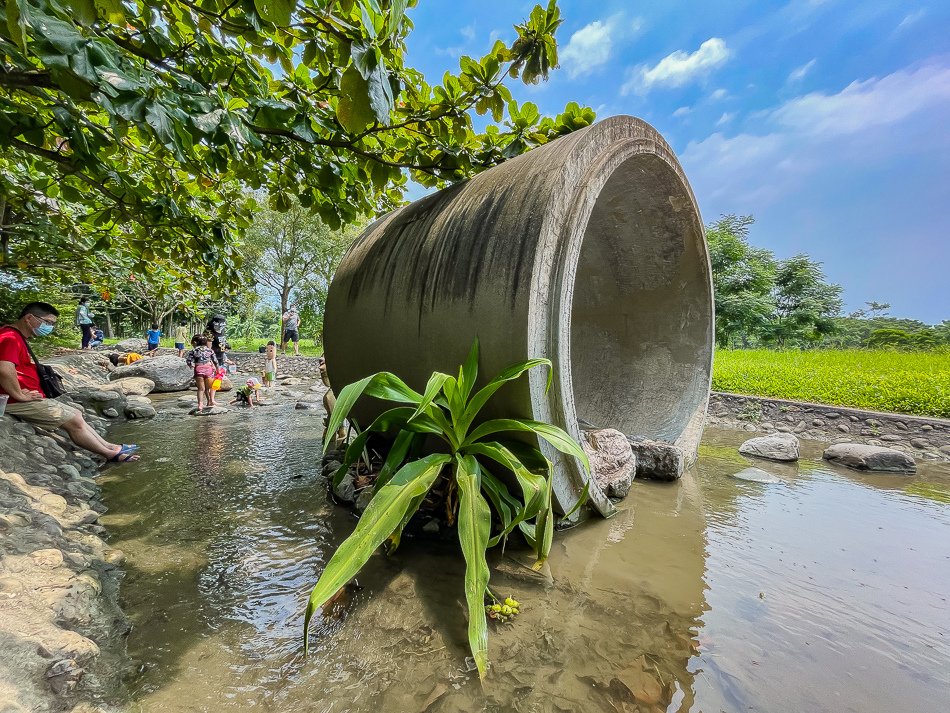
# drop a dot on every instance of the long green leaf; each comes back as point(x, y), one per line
point(382, 385)
point(385, 511)
point(532, 484)
point(468, 373)
point(544, 530)
point(395, 457)
point(432, 390)
point(387, 420)
point(481, 398)
point(552, 434)
point(474, 528)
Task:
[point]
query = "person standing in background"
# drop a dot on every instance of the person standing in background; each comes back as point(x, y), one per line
point(291, 325)
point(84, 321)
point(181, 334)
point(153, 337)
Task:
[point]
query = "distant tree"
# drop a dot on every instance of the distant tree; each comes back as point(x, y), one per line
point(872, 311)
point(743, 280)
point(805, 305)
point(293, 253)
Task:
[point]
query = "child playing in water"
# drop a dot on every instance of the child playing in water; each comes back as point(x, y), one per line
point(270, 363)
point(205, 364)
point(248, 394)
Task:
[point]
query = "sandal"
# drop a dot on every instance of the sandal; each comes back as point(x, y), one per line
point(125, 455)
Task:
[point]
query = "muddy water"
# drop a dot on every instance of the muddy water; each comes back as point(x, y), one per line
point(826, 591)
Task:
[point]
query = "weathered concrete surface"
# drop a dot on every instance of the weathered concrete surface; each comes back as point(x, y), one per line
point(588, 251)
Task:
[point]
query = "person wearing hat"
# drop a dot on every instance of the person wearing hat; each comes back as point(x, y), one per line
point(248, 394)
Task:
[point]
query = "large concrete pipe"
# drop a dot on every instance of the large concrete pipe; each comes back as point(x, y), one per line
point(588, 251)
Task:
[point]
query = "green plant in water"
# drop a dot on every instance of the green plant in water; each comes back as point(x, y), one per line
point(447, 410)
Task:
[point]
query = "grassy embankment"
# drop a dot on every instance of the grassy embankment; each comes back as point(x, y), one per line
point(903, 382)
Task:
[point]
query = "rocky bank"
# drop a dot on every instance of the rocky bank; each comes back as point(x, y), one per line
point(61, 631)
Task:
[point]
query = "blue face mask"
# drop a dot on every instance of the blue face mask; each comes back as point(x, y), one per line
point(44, 330)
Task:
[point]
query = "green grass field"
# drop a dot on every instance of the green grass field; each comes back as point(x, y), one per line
point(308, 347)
point(903, 382)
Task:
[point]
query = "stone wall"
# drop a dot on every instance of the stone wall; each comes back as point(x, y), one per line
point(926, 438)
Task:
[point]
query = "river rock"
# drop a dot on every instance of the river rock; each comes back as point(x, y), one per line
point(919, 443)
point(132, 386)
point(345, 490)
point(362, 500)
point(658, 460)
point(139, 407)
point(169, 373)
point(308, 405)
point(612, 462)
point(777, 446)
point(755, 475)
point(865, 457)
point(110, 413)
point(132, 345)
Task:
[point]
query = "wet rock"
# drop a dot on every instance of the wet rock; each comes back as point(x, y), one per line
point(755, 475)
point(139, 407)
point(900, 425)
point(892, 437)
point(926, 427)
point(817, 422)
point(110, 413)
point(867, 457)
point(345, 490)
point(612, 462)
point(658, 460)
point(307, 405)
point(944, 449)
point(832, 415)
point(766, 426)
point(291, 381)
point(919, 443)
point(209, 411)
point(844, 428)
point(777, 446)
point(873, 423)
point(169, 373)
point(362, 500)
point(186, 401)
point(431, 527)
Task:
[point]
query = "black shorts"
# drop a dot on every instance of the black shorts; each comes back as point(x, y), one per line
point(291, 335)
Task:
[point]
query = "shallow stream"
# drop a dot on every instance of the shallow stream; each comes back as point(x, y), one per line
point(826, 591)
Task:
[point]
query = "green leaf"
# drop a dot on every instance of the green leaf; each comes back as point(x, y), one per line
point(552, 434)
point(16, 23)
point(380, 93)
point(469, 372)
point(432, 390)
point(532, 485)
point(112, 11)
point(510, 374)
point(276, 12)
point(397, 454)
point(474, 529)
point(381, 517)
point(353, 109)
point(383, 385)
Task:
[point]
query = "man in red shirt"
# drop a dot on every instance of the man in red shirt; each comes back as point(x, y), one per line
point(20, 380)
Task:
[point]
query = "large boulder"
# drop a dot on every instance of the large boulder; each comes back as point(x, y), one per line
point(658, 460)
point(777, 446)
point(169, 373)
point(98, 401)
point(864, 457)
point(132, 386)
point(132, 345)
point(612, 462)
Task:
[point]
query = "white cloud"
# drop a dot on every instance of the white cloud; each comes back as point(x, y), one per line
point(798, 74)
point(911, 19)
point(468, 32)
point(726, 118)
point(682, 111)
point(591, 46)
point(678, 68)
point(803, 134)
point(718, 94)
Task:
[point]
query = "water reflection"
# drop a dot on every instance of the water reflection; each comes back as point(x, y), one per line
point(826, 591)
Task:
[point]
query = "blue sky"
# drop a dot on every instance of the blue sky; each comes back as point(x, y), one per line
point(828, 121)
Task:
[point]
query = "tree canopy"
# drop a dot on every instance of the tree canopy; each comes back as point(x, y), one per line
point(761, 300)
point(132, 129)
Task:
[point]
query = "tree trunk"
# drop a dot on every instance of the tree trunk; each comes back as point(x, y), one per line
point(109, 325)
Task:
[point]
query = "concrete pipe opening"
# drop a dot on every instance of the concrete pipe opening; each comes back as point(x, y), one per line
point(588, 251)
